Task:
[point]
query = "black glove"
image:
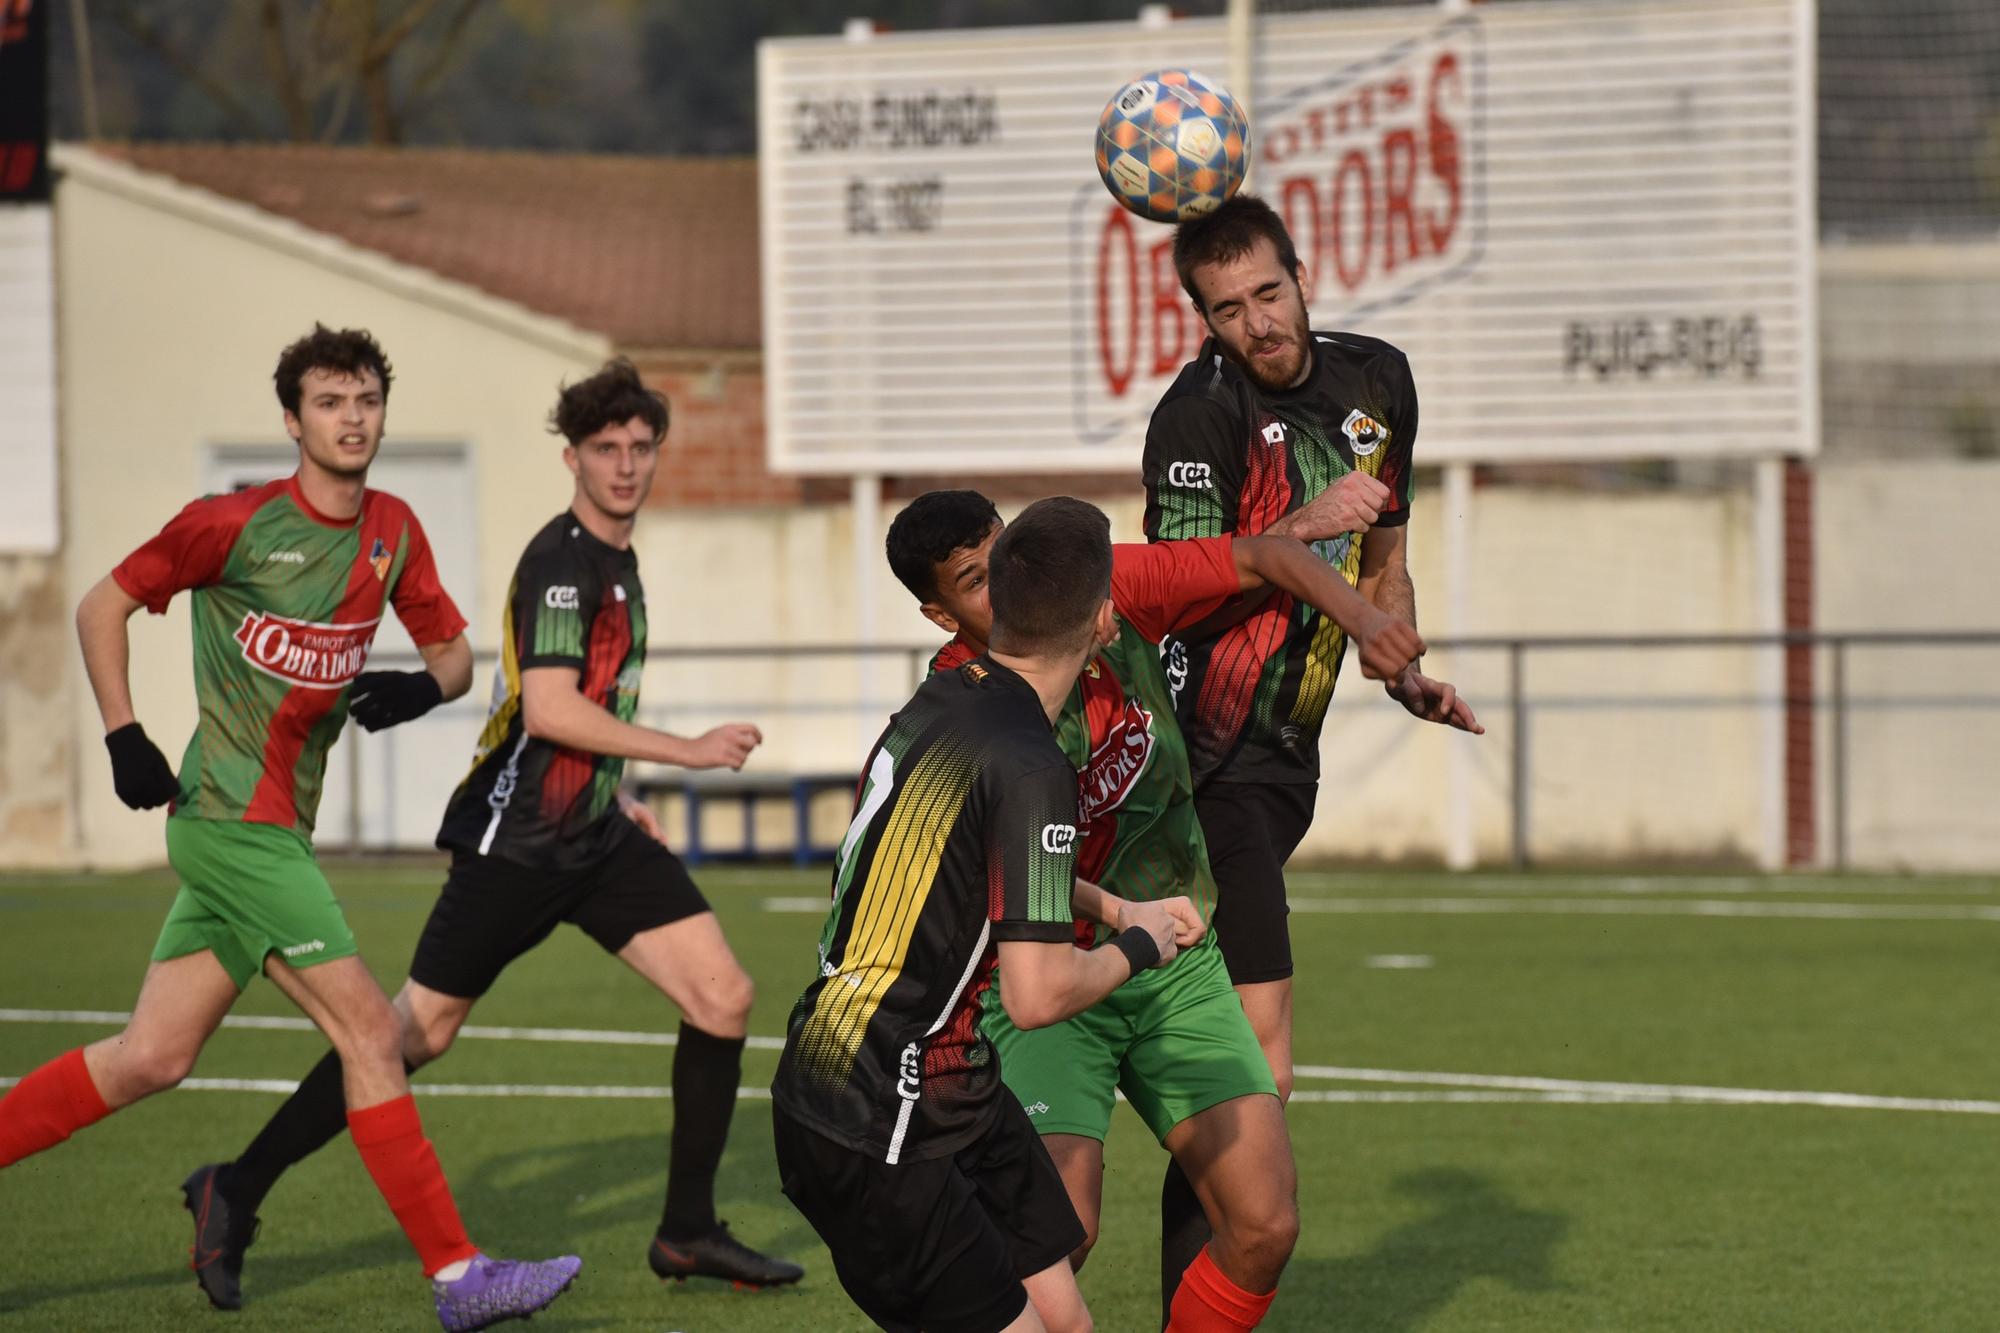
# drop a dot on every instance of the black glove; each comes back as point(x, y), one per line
point(386, 698)
point(139, 772)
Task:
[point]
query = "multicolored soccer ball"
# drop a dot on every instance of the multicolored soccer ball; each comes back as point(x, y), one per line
point(1171, 145)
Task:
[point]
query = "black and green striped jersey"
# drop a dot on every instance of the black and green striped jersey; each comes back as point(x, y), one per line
point(964, 835)
point(1224, 455)
point(575, 602)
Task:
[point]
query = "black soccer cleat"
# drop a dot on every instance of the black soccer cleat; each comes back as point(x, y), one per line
point(221, 1234)
point(720, 1255)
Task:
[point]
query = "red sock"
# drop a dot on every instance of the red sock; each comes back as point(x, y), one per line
point(48, 1106)
point(393, 1148)
point(1208, 1302)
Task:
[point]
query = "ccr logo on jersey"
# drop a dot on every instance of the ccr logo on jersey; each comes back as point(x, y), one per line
point(561, 598)
point(1058, 839)
point(1190, 476)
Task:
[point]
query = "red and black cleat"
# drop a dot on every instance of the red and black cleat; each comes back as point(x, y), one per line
point(720, 1255)
point(221, 1234)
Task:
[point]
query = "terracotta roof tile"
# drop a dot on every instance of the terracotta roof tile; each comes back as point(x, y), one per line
point(653, 252)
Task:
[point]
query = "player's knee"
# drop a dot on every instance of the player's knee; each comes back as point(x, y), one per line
point(424, 1040)
point(1271, 1234)
point(722, 1006)
point(373, 1040)
point(152, 1069)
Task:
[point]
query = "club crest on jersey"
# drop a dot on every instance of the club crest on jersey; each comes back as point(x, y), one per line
point(1364, 433)
point(301, 652)
point(378, 557)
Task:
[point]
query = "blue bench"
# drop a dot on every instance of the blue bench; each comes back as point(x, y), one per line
point(747, 790)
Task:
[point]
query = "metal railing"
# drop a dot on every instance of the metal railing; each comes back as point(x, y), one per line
point(1830, 703)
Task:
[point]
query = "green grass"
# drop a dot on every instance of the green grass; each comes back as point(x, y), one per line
point(1417, 1215)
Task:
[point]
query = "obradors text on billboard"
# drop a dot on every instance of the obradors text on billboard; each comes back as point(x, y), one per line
point(1376, 171)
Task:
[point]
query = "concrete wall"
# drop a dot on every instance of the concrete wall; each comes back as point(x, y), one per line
point(1914, 546)
point(38, 751)
point(174, 306)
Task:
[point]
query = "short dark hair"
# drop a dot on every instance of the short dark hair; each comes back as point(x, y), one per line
point(611, 397)
point(1049, 573)
point(337, 351)
point(931, 529)
point(1229, 232)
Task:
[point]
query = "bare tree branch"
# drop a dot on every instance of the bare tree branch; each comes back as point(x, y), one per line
point(290, 87)
point(440, 61)
point(149, 35)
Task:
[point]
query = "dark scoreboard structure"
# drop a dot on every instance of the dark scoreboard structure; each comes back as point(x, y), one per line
point(24, 101)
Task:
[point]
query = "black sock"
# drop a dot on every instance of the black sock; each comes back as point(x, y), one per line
point(1183, 1231)
point(706, 1071)
point(311, 1118)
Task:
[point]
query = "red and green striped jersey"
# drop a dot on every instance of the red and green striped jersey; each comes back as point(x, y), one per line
point(286, 602)
point(1224, 455)
point(575, 602)
point(1137, 835)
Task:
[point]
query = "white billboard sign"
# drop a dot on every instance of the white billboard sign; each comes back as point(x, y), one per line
point(1590, 225)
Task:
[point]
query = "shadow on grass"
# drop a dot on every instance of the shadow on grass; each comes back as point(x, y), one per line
point(1473, 1230)
point(532, 1202)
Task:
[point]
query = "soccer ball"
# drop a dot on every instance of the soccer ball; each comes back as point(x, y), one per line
point(1171, 145)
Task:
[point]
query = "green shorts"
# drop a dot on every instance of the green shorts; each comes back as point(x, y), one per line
point(1174, 1040)
point(248, 890)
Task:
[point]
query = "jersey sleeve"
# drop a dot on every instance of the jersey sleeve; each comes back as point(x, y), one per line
point(555, 599)
point(421, 602)
point(1162, 587)
point(1397, 472)
point(190, 552)
point(1193, 467)
point(1031, 854)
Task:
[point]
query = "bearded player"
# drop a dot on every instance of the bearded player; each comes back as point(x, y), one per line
point(289, 582)
point(539, 836)
point(1174, 1041)
point(1268, 417)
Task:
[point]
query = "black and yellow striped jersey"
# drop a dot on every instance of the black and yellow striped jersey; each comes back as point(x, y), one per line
point(964, 834)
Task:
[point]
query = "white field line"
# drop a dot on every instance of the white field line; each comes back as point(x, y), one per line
point(1713, 907)
point(1508, 1088)
point(1316, 1096)
point(1886, 887)
point(1655, 1093)
point(286, 1023)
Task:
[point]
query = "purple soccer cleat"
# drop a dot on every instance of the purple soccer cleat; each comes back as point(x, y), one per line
point(494, 1290)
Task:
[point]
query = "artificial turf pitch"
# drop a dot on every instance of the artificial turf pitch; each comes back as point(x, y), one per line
point(1552, 1194)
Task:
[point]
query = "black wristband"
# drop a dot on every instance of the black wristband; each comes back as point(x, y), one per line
point(1141, 950)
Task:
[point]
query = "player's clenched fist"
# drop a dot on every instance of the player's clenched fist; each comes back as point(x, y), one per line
point(140, 774)
point(1159, 920)
point(1389, 650)
point(727, 746)
point(1352, 504)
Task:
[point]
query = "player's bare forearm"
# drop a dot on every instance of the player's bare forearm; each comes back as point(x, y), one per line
point(1093, 904)
point(1042, 984)
point(553, 709)
point(1286, 563)
point(101, 629)
point(1385, 573)
point(450, 664)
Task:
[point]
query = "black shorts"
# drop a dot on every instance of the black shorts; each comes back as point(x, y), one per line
point(1252, 829)
point(492, 911)
point(940, 1244)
